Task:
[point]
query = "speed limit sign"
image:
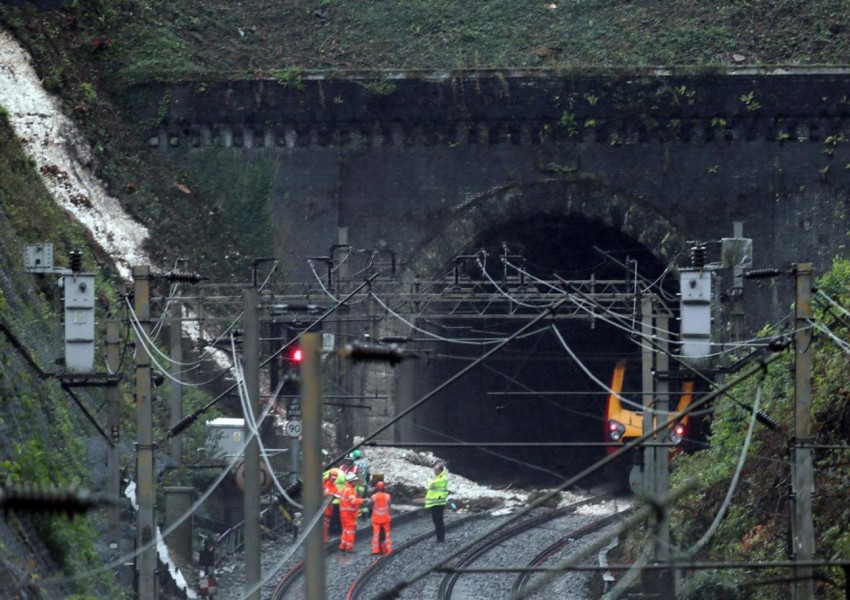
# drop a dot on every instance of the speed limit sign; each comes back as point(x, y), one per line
point(293, 428)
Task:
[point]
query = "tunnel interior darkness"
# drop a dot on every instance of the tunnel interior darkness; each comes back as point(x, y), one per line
point(531, 390)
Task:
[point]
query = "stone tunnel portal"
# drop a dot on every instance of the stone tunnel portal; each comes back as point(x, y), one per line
point(531, 391)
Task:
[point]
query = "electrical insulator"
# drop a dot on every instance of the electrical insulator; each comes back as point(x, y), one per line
point(698, 254)
point(762, 273)
point(181, 277)
point(394, 339)
point(37, 499)
point(363, 352)
point(76, 258)
point(182, 425)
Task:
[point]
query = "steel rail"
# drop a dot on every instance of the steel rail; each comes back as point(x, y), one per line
point(450, 579)
point(521, 581)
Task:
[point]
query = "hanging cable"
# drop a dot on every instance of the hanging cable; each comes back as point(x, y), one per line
point(253, 426)
point(186, 421)
point(733, 485)
point(583, 367)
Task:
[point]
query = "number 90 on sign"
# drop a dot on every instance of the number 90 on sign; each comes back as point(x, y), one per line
point(293, 428)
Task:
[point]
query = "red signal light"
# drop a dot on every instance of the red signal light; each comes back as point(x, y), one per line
point(296, 355)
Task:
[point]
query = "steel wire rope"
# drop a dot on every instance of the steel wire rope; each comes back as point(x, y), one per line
point(598, 382)
point(319, 281)
point(631, 329)
point(733, 485)
point(198, 412)
point(757, 342)
point(242, 389)
point(540, 395)
point(489, 451)
point(161, 320)
point(763, 418)
point(843, 345)
point(504, 293)
point(318, 278)
point(161, 535)
point(833, 302)
point(137, 328)
point(661, 291)
point(490, 352)
point(600, 464)
point(148, 341)
point(429, 333)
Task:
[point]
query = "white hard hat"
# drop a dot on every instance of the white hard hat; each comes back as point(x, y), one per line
point(351, 477)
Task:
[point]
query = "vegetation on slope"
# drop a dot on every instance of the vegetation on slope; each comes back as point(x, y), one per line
point(156, 39)
point(756, 527)
point(40, 428)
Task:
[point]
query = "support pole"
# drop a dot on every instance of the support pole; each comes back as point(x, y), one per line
point(251, 359)
point(113, 426)
point(340, 256)
point(802, 478)
point(647, 396)
point(176, 339)
point(311, 405)
point(662, 458)
point(145, 481)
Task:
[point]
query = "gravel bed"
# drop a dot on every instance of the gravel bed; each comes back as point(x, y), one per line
point(514, 552)
point(343, 568)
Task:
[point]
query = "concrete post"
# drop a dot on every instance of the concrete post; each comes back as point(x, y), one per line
point(648, 400)
point(178, 502)
point(662, 456)
point(311, 405)
point(802, 531)
point(251, 359)
point(146, 561)
point(113, 426)
point(176, 338)
point(341, 258)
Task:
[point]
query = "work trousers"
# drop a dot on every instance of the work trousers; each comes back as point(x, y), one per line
point(349, 525)
point(335, 526)
point(439, 524)
point(385, 545)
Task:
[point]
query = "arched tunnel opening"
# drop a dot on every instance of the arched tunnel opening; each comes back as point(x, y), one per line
point(532, 391)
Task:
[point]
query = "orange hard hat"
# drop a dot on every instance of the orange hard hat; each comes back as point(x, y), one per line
point(334, 473)
point(380, 485)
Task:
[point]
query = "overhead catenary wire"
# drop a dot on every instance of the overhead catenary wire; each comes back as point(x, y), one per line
point(762, 417)
point(198, 412)
point(146, 347)
point(253, 425)
point(435, 336)
point(522, 330)
point(581, 365)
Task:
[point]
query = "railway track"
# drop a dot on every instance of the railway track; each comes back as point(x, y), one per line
point(503, 548)
point(415, 523)
point(362, 576)
point(556, 548)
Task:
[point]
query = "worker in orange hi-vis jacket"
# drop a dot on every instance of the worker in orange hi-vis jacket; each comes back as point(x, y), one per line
point(381, 519)
point(349, 507)
point(329, 489)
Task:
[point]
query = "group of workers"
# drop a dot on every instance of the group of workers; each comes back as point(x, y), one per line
point(347, 486)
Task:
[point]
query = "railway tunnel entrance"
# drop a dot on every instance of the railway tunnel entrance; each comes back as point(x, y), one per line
point(544, 386)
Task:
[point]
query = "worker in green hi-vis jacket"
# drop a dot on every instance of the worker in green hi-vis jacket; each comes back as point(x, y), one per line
point(436, 498)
